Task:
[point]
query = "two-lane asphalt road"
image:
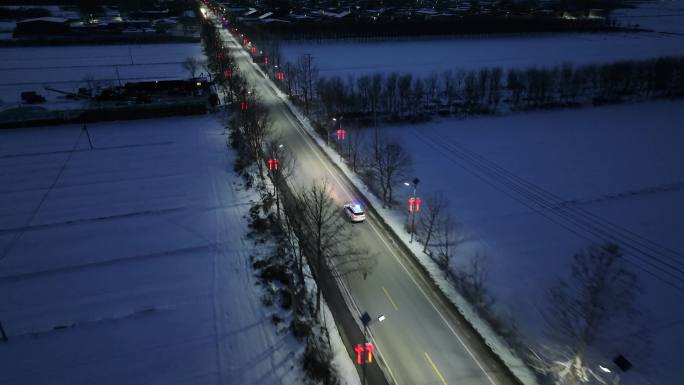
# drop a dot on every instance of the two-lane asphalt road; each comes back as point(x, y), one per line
point(423, 339)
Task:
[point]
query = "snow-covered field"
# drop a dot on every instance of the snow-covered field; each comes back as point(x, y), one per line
point(659, 15)
point(128, 263)
point(421, 56)
point(623, 164)
point(66, 67)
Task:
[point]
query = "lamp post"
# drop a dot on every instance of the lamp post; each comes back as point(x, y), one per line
point(327, 139)
point(335, 120)
point(413, 209)
point(366, 320)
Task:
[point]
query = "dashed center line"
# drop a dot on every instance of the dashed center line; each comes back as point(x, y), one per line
point(435, 369)
point(390, 299)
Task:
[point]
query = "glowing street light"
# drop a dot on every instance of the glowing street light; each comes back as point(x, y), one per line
point(414, 206)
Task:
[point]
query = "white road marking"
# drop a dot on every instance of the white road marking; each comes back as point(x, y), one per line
point(307, 140)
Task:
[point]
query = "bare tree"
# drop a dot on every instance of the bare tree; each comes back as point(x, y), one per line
point(308, 73)
point(191, 65)
point(390, 92)
point(432, 215)
point(255, 123)
point(449, 87)
point(375, 90)
point(327, 238)
point(600, 293)
point(392, 163)
point(495, 88)
point(431, 88)
point(448, 240)
point(472, 280)
point(283, 172)
point(354, 146)
point(404, 88)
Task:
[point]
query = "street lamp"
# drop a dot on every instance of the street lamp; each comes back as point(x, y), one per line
point(413, 211)
point(366, 320)
point(327, 139)
point(335, 120)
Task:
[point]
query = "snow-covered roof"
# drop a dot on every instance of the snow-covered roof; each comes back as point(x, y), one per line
point(426, 11)
point(269, 21)
point(342, 14)
point(337, 15)
point(250, 12)
point(265, 15)
point(300, 17)
point(45, 19)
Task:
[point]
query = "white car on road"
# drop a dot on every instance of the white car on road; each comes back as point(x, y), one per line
point(354, 212)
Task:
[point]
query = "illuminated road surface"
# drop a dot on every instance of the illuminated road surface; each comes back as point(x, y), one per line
point(421, 341)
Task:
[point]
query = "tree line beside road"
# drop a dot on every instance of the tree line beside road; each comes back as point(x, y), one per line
point(372, 99)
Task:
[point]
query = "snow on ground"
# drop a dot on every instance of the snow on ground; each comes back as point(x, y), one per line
point(129, 263)
point(55, 10)
point(66, 67)
point(620, 163)
point(7, 26)
point(660, 15)
point(420, 57)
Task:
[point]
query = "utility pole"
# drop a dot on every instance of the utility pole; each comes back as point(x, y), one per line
point(365, 319)
point(85, 128)
point(2, 331)
point(118, 77)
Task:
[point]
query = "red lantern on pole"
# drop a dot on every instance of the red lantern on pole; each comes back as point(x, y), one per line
point(359, 351)
point(369, 349)
point(340, 134)
point(244, 105)
point(417, 204)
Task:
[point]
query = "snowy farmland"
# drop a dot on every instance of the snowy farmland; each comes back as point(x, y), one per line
point(660, 15)
point(66, 68)
point(421, 57)
point(622, 164)
point(128, 263)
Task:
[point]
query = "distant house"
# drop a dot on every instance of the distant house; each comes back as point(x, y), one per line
point(42, 26)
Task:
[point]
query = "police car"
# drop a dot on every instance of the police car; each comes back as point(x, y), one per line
point(354, 212)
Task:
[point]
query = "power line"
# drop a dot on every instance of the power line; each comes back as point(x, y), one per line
point(579, 221)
